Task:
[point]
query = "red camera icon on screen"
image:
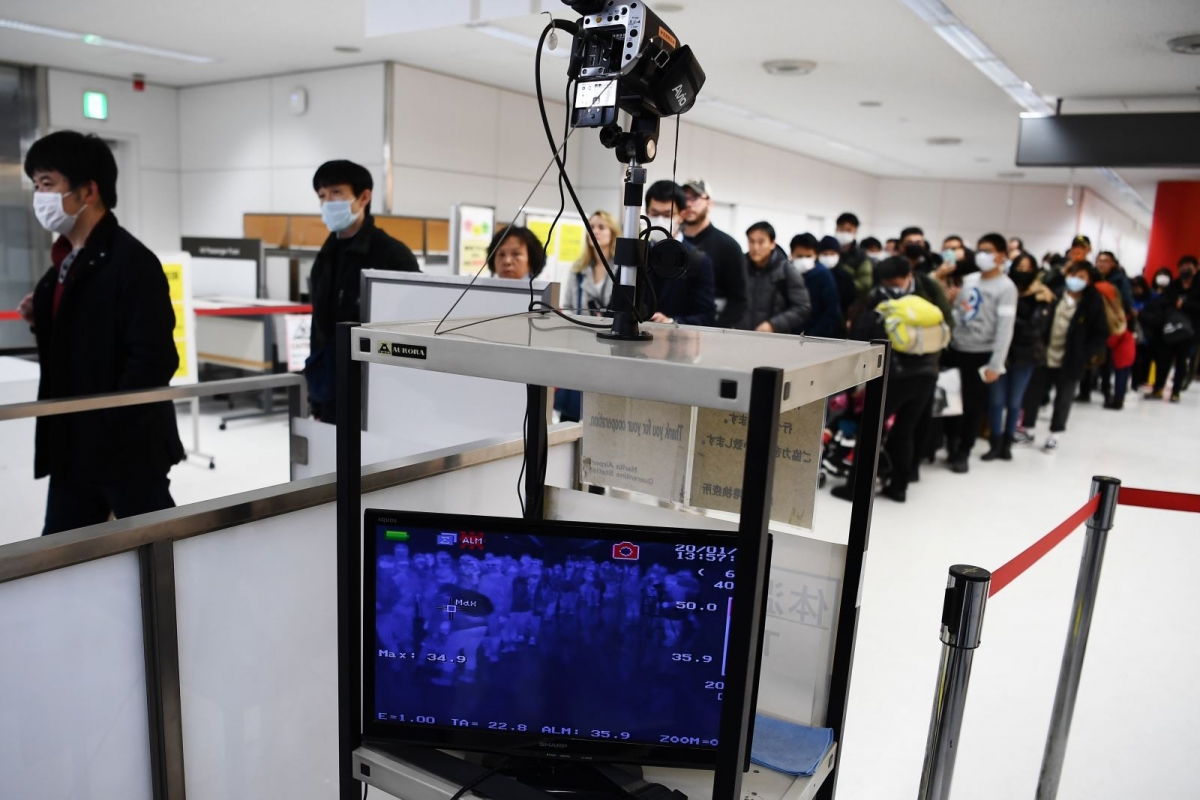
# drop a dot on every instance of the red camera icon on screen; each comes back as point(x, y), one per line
point(626, 551)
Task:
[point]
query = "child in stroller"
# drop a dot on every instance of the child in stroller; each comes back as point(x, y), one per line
point(843, 417)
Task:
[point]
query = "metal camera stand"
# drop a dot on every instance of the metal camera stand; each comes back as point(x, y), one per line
point(760, 375)
point(635, 148)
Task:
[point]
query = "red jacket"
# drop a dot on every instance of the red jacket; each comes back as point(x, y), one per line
point(1124, 350)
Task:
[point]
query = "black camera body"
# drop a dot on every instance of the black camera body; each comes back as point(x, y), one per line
point(625, 58)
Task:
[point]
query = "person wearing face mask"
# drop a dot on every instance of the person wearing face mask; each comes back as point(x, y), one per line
point(1110, 274)
point(1179, 308)
point(777, 299)
point(103, 321)
point(958, 261)
point(1078, 333)
point(852, 259)
point(690, 299)
point(826, 319)
point(912, 378)
point(344, 190)
point(985, 311)
point(1008, 397)
point(873, 250)
point(914, 247)
point(1141, 365)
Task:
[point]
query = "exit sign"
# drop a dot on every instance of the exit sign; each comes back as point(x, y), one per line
point(95, 105)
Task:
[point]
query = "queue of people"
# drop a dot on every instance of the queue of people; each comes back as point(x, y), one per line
point(1015, 332)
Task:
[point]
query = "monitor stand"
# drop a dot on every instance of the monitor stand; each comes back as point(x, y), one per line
point(572, 780)
point(532, 778)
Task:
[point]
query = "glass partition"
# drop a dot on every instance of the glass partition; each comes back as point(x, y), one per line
point(72, 684)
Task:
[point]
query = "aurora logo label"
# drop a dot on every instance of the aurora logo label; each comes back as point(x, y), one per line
point(408, 351)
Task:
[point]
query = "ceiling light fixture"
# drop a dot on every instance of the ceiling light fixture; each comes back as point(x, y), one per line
point(505, 35)
point(870, 103)
point(789, 66)
point(943, 141)
point(1011, 174)
point(345, 48)
point(668, 8)
point(101, 41)
point(954, 32)
point(1126, 191)
point(1186, 45)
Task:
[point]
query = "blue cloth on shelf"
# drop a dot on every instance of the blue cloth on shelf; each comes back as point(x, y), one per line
point(787, 747)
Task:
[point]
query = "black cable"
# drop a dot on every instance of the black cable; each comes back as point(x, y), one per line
point(562, 197)
point(366, 790)
point(675, 167)
point(571, 28)
point(476, 781)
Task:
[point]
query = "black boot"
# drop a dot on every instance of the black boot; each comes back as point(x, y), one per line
point(1006, 449)
point(996, 450)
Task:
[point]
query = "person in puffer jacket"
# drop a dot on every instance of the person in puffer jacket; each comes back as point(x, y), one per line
point(776, 298)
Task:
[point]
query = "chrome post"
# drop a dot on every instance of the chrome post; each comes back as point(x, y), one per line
point(1079, 627)
point(962, 624)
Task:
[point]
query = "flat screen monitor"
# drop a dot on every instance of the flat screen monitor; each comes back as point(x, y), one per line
point(552, 639)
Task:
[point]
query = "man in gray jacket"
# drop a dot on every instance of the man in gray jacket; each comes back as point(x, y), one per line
point(776, 299)
point(985, 312)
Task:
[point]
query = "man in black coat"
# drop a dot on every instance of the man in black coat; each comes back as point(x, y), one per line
point(354, 244)
point(103, 321)
point(690, 299)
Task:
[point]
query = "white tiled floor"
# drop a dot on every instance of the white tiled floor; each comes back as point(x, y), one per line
point(1134, 731)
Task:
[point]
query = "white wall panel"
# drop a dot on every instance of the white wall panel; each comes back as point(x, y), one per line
point(159, 202)
point(73, 721)
point(344, 118)
point(461, 136)
point(429, 192)
point(150, 116)
point(973, 209)
point(214, 201)
point(226, 126)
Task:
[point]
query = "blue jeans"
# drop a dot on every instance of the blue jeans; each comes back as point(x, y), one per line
point(1007, 394)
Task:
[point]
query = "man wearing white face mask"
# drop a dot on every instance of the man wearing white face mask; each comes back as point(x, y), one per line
point(354, 244)
point(985, 313)
point(104, 323)
point(826, 319)
point(853, 261)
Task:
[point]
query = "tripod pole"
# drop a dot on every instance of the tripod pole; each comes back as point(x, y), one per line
point(631, 253)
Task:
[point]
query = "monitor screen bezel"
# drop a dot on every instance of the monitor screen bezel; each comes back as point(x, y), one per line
point(504, 742)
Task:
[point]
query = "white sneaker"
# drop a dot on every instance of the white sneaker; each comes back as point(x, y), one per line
point(1051, 444)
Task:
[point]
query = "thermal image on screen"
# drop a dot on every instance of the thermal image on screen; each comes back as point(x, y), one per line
point(551, 636)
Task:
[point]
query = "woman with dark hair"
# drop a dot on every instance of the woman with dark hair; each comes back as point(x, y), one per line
point(516, 253)
point(1035, 305)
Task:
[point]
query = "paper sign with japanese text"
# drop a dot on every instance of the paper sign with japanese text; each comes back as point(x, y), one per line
point(721, 455)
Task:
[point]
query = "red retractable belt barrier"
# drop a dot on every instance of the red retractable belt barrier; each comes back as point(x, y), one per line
point(252, 311)
point(1168, 501)
point(240, 311)
point(1013, 569)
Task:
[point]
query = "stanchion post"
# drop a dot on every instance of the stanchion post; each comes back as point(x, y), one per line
point(1098, 526)
point(962, 624)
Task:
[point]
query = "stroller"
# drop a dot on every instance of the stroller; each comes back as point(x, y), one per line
point(840, 437)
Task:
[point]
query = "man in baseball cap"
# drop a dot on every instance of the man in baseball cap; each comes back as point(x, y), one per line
point(722, 249)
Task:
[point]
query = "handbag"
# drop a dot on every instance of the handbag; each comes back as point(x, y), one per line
point(947, 396)
point(1178, 328)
